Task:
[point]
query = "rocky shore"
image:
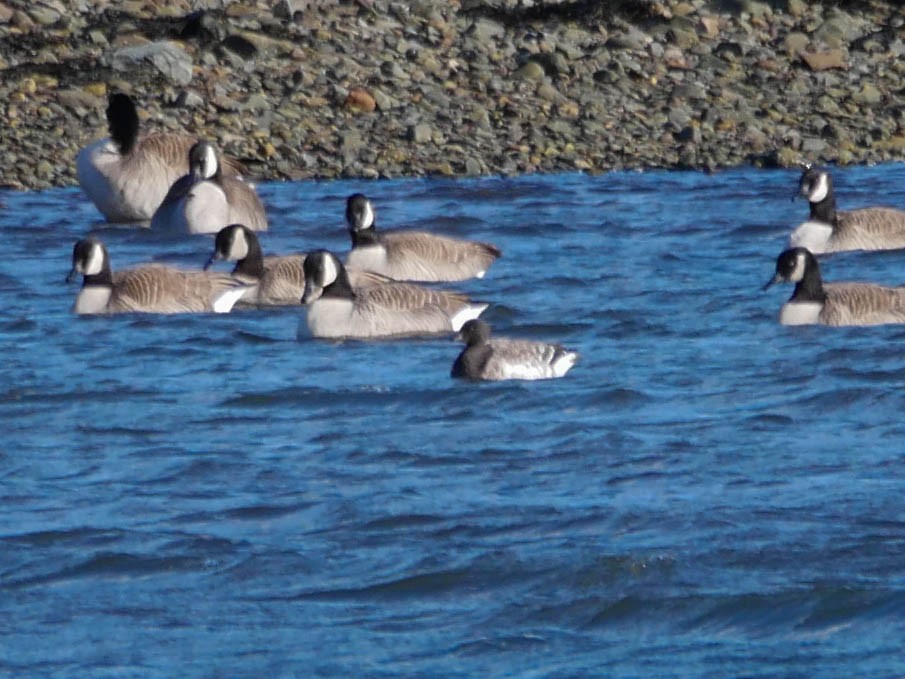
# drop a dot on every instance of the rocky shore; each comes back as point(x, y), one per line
point(384, 88)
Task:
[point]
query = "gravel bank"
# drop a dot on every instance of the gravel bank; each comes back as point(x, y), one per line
point(379, 88)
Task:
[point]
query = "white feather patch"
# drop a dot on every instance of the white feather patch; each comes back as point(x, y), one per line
point(209, 165)
point(239, 247)
point(224, 302)
point(821, 188)
point(367, 219)
point(330, 272)
point(467, 313)
point(800, 313)
point(95, 263)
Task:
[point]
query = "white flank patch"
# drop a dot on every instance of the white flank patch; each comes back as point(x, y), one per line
point(811, 235)
point(468, 313)
point(224, 303)
point(821, 188)
point(800, 313)
point(564, 363)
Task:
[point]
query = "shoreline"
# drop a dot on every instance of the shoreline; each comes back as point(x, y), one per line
point(372, 88)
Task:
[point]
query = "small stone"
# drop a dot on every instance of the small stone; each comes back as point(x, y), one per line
point(420, 133)
point(822, 61)
point(360, 100)
point(868, 94)
point(530, 71)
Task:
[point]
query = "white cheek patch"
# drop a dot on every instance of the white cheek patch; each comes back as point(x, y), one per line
point(95, 262)
point(798, 272)
point(329, 273)
point(209, 162)
point(821, 188)
point(238, 249)
point(367, 218)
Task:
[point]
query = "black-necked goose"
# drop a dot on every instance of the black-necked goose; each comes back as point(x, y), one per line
point(280, 279)
point(336, 310)
point(127, 176)
point(829, 230)
point(149, 288)
point(816, 302)
point(412, 255)
point(501, 358)
point(205, 200)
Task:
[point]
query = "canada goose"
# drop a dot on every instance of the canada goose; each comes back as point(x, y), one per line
point(204, 200)
point(280, 279)
point(870, 228)
point(412, 255)
point(499, 358)
point(149, 288)
point(336, 310)
point(814, 302)
point(127, 177)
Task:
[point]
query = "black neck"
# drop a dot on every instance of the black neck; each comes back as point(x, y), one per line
point(341, 288)
point(253, 262)
point(809, 288)
point(825, 210)
point(105, 277)
point(365, 237)
point(471, 362)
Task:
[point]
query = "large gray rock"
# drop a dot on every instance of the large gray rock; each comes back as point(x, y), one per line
point(167, 57)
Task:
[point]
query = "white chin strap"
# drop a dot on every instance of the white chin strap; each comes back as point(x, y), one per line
point(821, 188)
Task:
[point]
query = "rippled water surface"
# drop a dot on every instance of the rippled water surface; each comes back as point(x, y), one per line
point(706, 494)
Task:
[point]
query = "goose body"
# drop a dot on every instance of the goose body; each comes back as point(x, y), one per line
point(486, 358)
point(837, 304)
point(412, 255)
point(127, 176)
point(336, 310)
point(149, 288)
point(205, 200)
point(829, 230)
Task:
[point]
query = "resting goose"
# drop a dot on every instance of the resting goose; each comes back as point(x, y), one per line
point(149, 288)
point(500, 358)
point(336, 310)
point(412, 255)
point(127, 176)
point(816, 302)
point(205, 200)
point(829, 230)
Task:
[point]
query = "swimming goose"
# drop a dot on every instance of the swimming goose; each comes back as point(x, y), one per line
point(280, 279)
point(412, 255)
point(336, 310)
point(149, 288)
point(870, 228)
point(499, 358)
point(814, 302)
point(205, 200)
point(127, 176)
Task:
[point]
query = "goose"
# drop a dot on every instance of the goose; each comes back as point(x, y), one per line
point(280, 280)
point(149, 288)
point(205, 200)
point(828, 230)
point(127, 176)
point(412, 255)
point(337, 310)
point(500, 358)
point(814, 302)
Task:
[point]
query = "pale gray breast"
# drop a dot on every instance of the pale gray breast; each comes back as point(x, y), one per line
point(862, 304)
point(874, 228)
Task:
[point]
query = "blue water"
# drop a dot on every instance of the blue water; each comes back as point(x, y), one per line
point(707, 493)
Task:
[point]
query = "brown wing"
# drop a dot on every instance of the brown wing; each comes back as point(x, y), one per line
point(359, 278)
point(156, 288)
point(408, 297)
point(245, 207)
point(872, 228)
point(862, 304)
point(428, 257)
point(283, 281)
